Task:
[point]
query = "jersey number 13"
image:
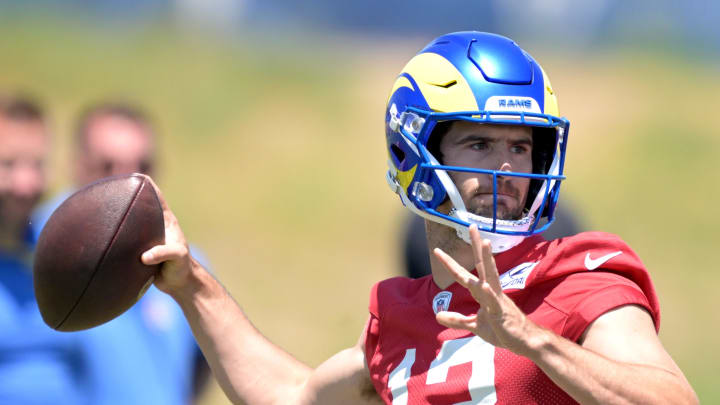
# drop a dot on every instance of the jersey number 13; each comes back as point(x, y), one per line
point(481, 384)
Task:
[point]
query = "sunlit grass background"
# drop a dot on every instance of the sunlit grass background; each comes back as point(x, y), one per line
point(273, 159)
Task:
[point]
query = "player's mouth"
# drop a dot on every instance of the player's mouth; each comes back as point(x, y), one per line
point(502, 195)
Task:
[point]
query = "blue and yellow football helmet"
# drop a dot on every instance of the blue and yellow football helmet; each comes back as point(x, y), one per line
point(484, 78)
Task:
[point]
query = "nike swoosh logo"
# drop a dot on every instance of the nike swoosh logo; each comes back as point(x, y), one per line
point(593, 264)
point(519, 269)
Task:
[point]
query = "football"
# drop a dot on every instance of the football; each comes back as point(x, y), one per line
point(87, 267)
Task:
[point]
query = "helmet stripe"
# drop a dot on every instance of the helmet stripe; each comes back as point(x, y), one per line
point(401, 81)
point(404, 178)
point(444, 87)
point(551, 104)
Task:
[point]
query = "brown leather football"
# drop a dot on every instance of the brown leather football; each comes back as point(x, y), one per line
point(87, 267)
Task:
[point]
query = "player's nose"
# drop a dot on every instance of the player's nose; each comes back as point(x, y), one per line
point(505, 167)
point(500, 160)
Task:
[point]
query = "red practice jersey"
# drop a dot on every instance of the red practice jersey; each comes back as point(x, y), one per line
point(563, 285)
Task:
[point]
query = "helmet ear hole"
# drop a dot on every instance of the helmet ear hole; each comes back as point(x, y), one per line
point(438, 132)
point(397, 154)
point(544, 143)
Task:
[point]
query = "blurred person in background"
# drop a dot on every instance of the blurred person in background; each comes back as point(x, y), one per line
point(148, 354)
point(416, 261)
point(476, 147)
point(38, 365)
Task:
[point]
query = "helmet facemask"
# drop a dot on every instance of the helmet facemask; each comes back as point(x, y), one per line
point(423, 130)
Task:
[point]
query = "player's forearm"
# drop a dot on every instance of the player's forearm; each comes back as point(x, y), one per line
point(247, 366)
point(591, 378)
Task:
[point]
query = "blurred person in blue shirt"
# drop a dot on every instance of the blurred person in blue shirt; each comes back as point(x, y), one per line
point(147, 355)
point(37, 364)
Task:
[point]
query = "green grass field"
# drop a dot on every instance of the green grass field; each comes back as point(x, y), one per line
point(273, 159)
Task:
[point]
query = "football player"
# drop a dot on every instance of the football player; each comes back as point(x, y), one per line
point(476, 146)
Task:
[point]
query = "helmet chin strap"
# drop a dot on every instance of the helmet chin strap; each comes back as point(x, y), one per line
point(498, 241)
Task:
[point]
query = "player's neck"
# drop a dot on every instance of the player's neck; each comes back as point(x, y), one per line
point(445, 238)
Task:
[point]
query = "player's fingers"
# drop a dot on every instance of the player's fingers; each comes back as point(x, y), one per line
point(170, 219)
point(159, 193)
point(173, 232)
point(455, 320)
point(490, 300)
point(489, 267)
point(163, 253)
point(458, 272)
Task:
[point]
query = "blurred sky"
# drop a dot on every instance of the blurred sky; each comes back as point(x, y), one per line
point(689, 26)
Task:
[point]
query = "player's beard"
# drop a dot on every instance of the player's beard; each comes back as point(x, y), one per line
point(484, 206)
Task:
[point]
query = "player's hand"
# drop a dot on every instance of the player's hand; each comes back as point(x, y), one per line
point(174, 254)
point(498, 321)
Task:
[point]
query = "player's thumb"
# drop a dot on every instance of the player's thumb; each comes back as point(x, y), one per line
point(455, 320)
point(163, 253)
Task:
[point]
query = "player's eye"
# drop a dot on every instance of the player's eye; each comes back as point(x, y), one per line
point(479, 145)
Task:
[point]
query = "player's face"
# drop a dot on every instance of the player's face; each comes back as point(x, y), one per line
point(23, 151)
point(115, 146)
point(490, 147)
